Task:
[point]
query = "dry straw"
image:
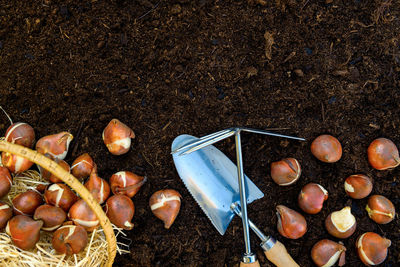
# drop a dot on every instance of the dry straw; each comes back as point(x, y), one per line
point(100, 250)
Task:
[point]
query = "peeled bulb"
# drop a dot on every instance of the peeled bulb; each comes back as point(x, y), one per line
point(291, 224)
point(380, 209)
point(14, 163)
point(70, 239)
point(117, 137)
point(165, 205)
point(383, 154)
point(326, 253)
point(286, 171)
point(20, 133)
point(5, 181)
point(126, 183)
point(341, 224)
point(52, 217)
point(312, 197)
point(26, 203)
point(81, 214)
point(56, 145)
point(82, 166)
point(6, 213)
point(98, 187)
point(60, 195)
point(372, 248)
point(24, 231)
point(326, 148)
point(358, 186)
point(120, 210)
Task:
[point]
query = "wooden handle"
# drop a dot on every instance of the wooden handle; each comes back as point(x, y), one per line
point(279, 256)
point(254, 264)
point(70, 180)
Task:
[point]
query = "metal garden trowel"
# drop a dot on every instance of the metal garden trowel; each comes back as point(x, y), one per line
point(212, 179)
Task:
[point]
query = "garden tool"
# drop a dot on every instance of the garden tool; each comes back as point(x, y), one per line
point(210, 177)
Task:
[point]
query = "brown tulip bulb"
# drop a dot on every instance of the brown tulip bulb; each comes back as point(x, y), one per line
point(126, 183)
point(81, 214)
point(82, 166)
point(26, 203)
point(291, 224)
point(56, 145)
point(60, 195)
point(98, 187)
point(383, 154)
point(117, 137)
point(48, 175)
point(285, 172)
point(380, 209)
point(312, 197)
point(358, 186)
point(70, 239)
point(24, 231)
point(341, 224)
point(14, 163)
point(326, 253)
point(120, 210)
point(20, 133)
point(52, 217)
point(326, 148)
point(5, 181)
point(372, 248)
point(165, 205)
point(6, 213)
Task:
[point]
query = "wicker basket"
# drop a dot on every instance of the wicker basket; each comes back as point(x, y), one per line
point(70, 180)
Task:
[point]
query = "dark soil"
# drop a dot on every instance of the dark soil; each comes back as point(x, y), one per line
point(171, 67)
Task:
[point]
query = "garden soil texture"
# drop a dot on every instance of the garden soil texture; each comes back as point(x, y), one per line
point(167, 68)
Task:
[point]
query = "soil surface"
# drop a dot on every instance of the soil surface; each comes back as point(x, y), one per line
point(171, 67)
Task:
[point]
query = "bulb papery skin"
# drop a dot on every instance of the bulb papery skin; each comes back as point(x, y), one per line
point(117, 137)
point(286, 171)
point(372, 248)
point(380, 209)
point(383, 154)
point(326, 148)
point(326, 253)
point(358, 186)
point(312, 197)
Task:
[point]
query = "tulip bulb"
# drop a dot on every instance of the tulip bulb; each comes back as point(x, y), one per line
point(291, 224)
point(20, 133)
point(81, 214)
point(286, 171)
point(26, 203)
point(117, 137)
point(341, 224)
point(82, 166)
point(14, 163)
point(48, 175)
point(120, 210)
point(326, 148)
point(326, 253)
point(312, 197)
point(5, 181)
point(56, 145)
point(98, 187)
point(70, 239)
point(372, 248)
point(6, 213)
point(126, 183)
point(60, 195)
point(24, 231)
point(52, 217)
point(165, 205)
point(380, 209)
point(358, 186)
point(383, 154)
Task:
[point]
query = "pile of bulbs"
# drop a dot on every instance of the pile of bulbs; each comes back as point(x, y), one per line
point(55, 207)
point(371, 247)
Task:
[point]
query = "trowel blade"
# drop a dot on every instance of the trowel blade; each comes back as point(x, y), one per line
point(211, 178)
